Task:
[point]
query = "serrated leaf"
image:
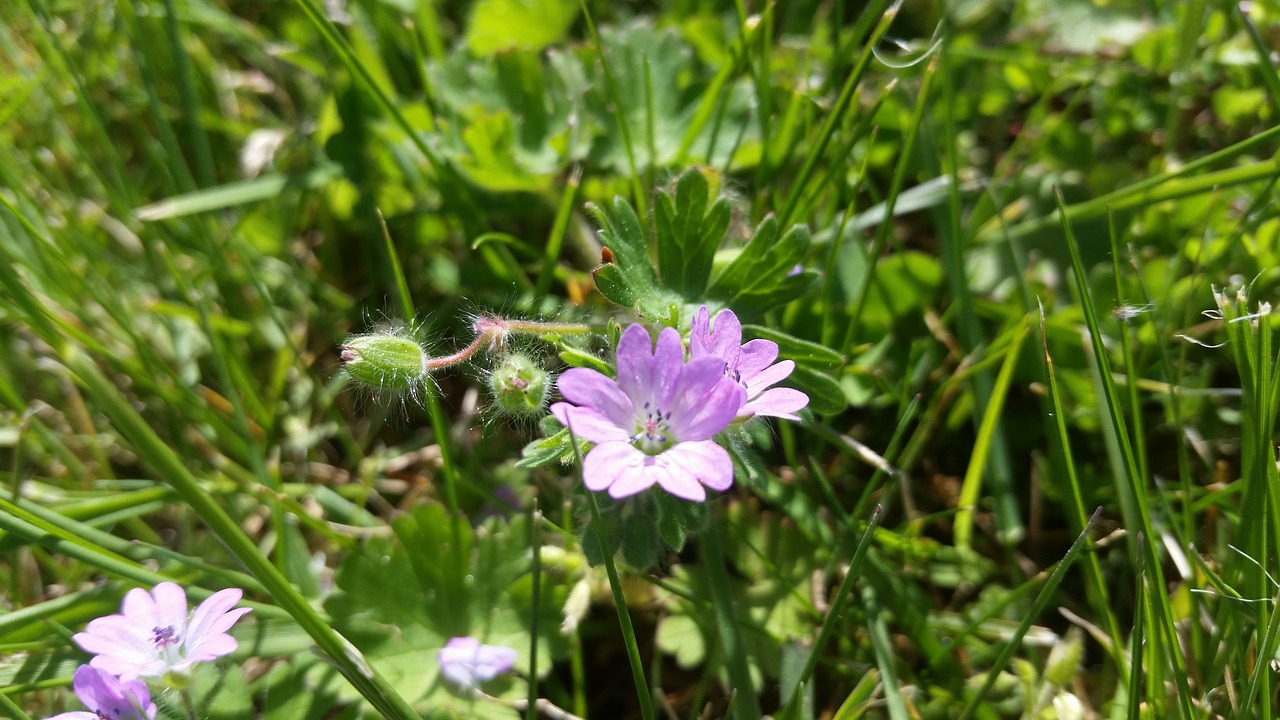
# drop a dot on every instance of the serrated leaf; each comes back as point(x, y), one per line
point(688, 233)
point(761, 276)
point(622, 233)
point(557, 448)
point(613, 285)
point(441, 572)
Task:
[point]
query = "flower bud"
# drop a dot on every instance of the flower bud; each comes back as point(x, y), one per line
point(519, 385)
point(385, 362)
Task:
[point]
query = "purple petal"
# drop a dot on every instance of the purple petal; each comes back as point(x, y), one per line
point(214, 615)
point(94, 687)
point(211, 647)
point(635, 364)
point(588, 424)
point(607, 462)
point(171, 606)
point(771, 375)
point(756, 355)
point(139, 608)
point(109, 697)
point(638, 476)
point(76, 715)
point(726, 338)
point(493, 660)
point(705, 460)
point(588, 388)
point(706, 401)
point(128, 669)
point(777, 402)
point(465, 662)
point(676, 478)
point(668, 362)
point(115, 636)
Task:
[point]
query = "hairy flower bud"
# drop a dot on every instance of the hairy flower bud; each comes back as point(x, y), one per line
point(519, 385)
point(385, 362)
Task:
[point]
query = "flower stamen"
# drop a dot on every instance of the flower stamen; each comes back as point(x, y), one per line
point(164, 637)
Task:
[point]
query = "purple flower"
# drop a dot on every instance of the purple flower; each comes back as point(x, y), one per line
point(106, 696)
point(654, 423)
point(466, 663)
point(751, 364)
point(154, 636)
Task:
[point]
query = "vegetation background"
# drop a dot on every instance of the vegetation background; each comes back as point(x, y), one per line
point(1042, 246)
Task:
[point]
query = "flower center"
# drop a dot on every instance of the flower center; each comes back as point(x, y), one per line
point(653, 430)
point(164, 637)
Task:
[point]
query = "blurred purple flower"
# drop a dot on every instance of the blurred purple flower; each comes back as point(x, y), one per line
point(154, 635)
point(106, 696)
point(751, 365)
point(466, 663)
point(653, 425)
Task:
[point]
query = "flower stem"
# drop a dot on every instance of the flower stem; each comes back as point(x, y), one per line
point(624, 615)
point(735, 656)
point(188, 704)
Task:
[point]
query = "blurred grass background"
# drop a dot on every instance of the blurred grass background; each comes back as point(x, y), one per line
point(194, 195)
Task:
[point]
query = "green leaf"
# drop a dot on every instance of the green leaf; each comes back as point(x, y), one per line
point(621, 232)
point(442, 572)
point(613, 531)
point(498, 25)
point(760, 277)
point(688, 233)
point(826, 396)
point(803, 352)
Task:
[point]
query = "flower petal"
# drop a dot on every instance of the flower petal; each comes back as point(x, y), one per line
point(706, 461)
point(211, 647)
point(756, 356)
point(635, 364)
point(724, 339)
point(676, 478)
point(214, 615)
point(592, 389)
point(139, 608)
point(776, 402)
point(635, 477)
point(171, 606)
point(607, 462)
point(668, 363)
point(705, 401)
point(588, 424)
point(771, 375)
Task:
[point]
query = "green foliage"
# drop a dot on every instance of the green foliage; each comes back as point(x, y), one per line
point(189, 228)
point(400, 600)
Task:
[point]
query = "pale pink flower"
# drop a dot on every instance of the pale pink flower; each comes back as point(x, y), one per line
point(750, 364)
point(467, 663)
point(654, 424)
point(153, 635)
point(106, 696)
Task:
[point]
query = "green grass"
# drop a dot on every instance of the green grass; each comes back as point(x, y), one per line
point(1038, 470)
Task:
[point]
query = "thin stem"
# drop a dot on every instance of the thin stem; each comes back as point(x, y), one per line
point(188, 704)
point(620, 603)
point(735, 655)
